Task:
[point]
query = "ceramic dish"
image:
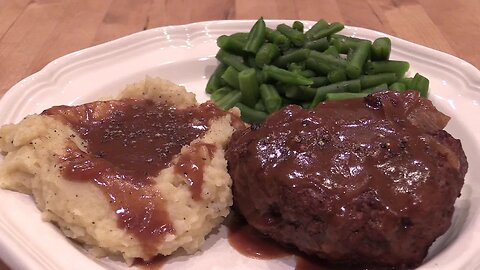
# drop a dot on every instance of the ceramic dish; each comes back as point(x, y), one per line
point(185, 54)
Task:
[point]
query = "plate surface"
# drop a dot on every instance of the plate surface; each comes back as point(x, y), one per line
point(185, 54)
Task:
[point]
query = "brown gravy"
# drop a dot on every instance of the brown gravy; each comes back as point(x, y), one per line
point(127, 143)
point(191, 166)
point(251, 243)
point(155, 264)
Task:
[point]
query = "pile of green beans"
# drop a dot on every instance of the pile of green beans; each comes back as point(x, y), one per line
point(265, 69)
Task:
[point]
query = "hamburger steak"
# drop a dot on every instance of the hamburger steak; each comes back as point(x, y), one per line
point(369, 181)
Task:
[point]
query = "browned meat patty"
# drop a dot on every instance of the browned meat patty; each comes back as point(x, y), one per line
point(367, 181)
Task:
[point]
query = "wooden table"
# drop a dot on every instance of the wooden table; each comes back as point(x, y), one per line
point(33, 33)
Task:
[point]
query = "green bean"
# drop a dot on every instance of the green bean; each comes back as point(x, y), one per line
point(420, 84)
point(407, 82)
point(298, 55)
point(296, 37)
point(303, 93)
point(266, 54)
point(332, 29)
point(240, 35)
point(398, 67)
point(345, 86)
point(260, 106)
point(377, 88)
point(319, 81)
point(318, 26)
point(381, 48)
point(261, 76)
point(256, 37)
point(278, 39)
point(397, 86)
point(250, 115)
point(329, 59)
point(368, 81)
point(344, 43)
point(324, 63)
point(229, 100)
point(230, 77)
point(286, 76)
point(332, 50)
point(317, 45)
point(295, 67)
point(337, 75)
point(345, 95)
point(231, 44)
point(250, 61)
point(298, 25)
point(215, 80)
point(270, 97)
point(358, 58)
point(247, 80)
point(231, 60)
point(307, 73)
point(219, 93)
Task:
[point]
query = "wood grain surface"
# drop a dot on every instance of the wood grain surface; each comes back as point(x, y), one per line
point(35, 32)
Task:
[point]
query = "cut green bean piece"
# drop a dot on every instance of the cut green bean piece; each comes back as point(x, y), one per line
point(368, 81)
point(381, 48)
point(303, 93)
point(250, 115)
point(270, 97)
point(296, 67)
point(296, 37)
point(398, 67)
point(229, 100)
point(344, 95)
point(266, 54)
point(317, 45)
point(293, 56)
point(250, 61)
point(397, 86)
point(215, 81)
point(260, 106)
point(377, 88)
point(231, 44)
point(219, 93)
point(307, 73)
point(286, 76)
point(319, 81)
point(231, 60)
point(346, 86)
point(331, 60)
point(278, 39)
point(298, 25)
point(332, 50)
point(247, 80)
point(420, 84)
point(407, 82)
point(230, 76)
point(332, 29)
point(358, 58)
point(256, 37)
point(344, 44)
point(318, 26)
point(323, 63)
point(337, 75)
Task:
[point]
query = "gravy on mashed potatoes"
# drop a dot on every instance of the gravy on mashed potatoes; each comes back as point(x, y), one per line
point(138, 176)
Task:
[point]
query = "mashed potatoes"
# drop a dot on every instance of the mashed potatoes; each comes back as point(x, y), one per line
point(81, 210)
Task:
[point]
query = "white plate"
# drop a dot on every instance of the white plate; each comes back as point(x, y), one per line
point(184, 54)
